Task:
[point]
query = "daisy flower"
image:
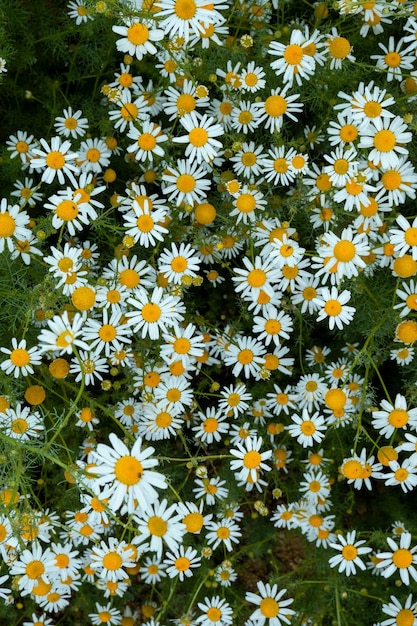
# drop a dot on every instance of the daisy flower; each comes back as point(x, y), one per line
point(77, 10)
point(180, 562)
point(246, 202)
point(401, 559)
point(93, 155)
point(187, 183)
point(159, 524)
point(257, 276)
point(404, 474)
point(152, 570)
point(21, 359)
point(71, 124)
point(245, 117)
point(350, 552)
point(155, 312)
point(89, 366)
point(333, 306)
point(55, 160)
point(386, 138)
point(200, 140)
point(249, 461)
point(402, 356)
point(367, 104)
point(20, 424)
point(343, 165)
point(294, 60)
point(249, 160)
point(187, 17)
point(315, 487)
point(62, 334)
point(273, 325)
point(397, 183)
point(13, 222)
point(394, 60)
point(278, 169)
point(179, 103)
point(146, 140)
point(109, 560)
point(305, 293)
point(173, 394)
point(216, 611)
point(358, 469)
point(145, 225)
point(408, 294)
point(272, 608)
point(394, 416)
point(234, 399)
point(124, 79)
point(137, 37)
point(182, 344)
point(105, 614)
point(276, 106)
point(400, 613)
point(338, 49)
point(21, 145)
point(34, 564)
point(210, 489)
point(106, 334)
point(345, 131)
point(178, 263)
point(252, 78)
point(307, 429)
point(131, 273)
point(406, 238)
point(69, 210)
point(246, 354)
point(26, 192)
point(128, 113)
point(342, 256)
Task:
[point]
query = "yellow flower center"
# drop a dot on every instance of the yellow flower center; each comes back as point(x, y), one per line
point(107, 332)
point(157, 526)
point(128, 470)
point(64, 339)
point(249, 159)
point(145, 223)
point(405, 617)
point(34, 569)
point(182, 564)
point(391, 180)
point(252, 459)
point(83, 298)
point(339, 47)
point(7, 224)
point(333, 308)
point(198, 137)
point(179, 264)
point(185, 183)
point(344, 251)
point(309, 293)
point(256, 278)
point(275, 106)
point(269, 607)
point(372, 109)
point(384, 140)
point(308, 427)
point(185, 9)
point(272, 327)
point(125, 80)
point(412, 301)
point(245, 356)
point(138, 33)
point(407, 331)
point(401, 474)
point(398, 418)
point(146, 141)
point(410, 236)
point(214, 614)
point(186, 103)
point(55, 160)
point(335, 399)
point(19, 426)
point(151, 312)
point(341, 166)
point(193, 522)
point(245, 117)
point(349, 552)
point(348, 133)
point(392, 59)
point(246, 203)
point(20, 357)
point(402, 558)
point(293, 54)
point(352, 469)
point(112, 561)
point(22, 147)
point(311, 386)
point(129, 111)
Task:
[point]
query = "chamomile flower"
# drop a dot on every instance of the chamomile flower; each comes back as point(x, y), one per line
point(200, 141)
point(247, 202)
point(307, 429)
point(245, 117)
point(109, 560)
point(13, 223)
point(69, 210)
point(394, 60)
point(33, 565)
point(272, 326)
point(401, 559)
point(405, 237)
point(278, 169)
point(137, 37)
point(106, 334)
point(252, 78)
point(277, 105)
point(125, 476)
point(249, 160)
point(350, 552)
point(105, 614)
point(333, 307)
point(246, 354)
point(173, 394)
point(273, 609)
point(211, 489)
point(400, 613)
point(305, 293)
point(182, 344)
point(249, 460)
point(394, 416)
point(257, 276)
point(343, 255)
point(345, 131)
point(386, 138)
point(402, 356)
point(343, 165)
point(89, 367)
point(178, 263)
point(408, 295)
point(21, 145)
point(71, 124)
point(154, 313)
point(184, 18)
point(159, 525)
point(397, 183)
point(20, 359)
point(187, 183)
point(315, 487)
point(338, 49)
point(181, 562)
point(78, 11)
point(404, 474)
point(55, 160)
point(234, 399)
point(216, 611)
point(62, 334)
point(93, 155)
point(20, 423)
point(294, 62)
point(147, 140)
